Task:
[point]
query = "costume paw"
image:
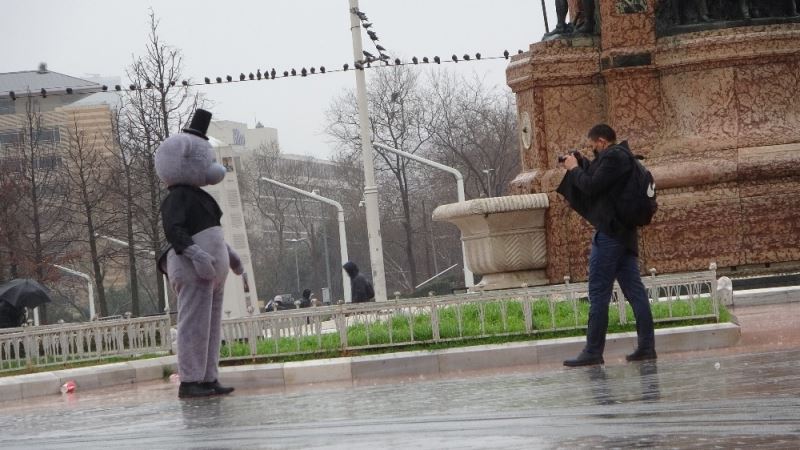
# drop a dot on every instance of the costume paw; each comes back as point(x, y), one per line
point(235, 261)
point(203, 262)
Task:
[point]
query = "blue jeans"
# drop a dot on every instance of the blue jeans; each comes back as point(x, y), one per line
point(610, 260)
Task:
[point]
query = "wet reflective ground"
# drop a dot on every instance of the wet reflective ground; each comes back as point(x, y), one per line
point(747, 401)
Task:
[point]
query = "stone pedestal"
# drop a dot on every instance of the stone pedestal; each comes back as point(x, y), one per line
point(504, 238)
point(716, 114)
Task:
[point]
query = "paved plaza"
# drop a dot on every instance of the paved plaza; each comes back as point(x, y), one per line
point(746, 397)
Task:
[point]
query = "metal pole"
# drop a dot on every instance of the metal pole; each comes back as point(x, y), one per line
point(469, 279)
point(342, 230)
point(489, 187)
point(434, 277)
point(370, 189)
point(327, 257)
point(296, 267)
point(89, 283)
point(544, 13)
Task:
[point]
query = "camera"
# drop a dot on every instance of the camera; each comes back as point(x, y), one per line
point(572, 152)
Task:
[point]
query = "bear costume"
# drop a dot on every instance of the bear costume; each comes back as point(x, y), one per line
point(197, 259)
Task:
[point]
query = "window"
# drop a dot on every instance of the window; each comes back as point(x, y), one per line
point(48, 162)
point(9, 137)
point(7, 106)
point(42, 135)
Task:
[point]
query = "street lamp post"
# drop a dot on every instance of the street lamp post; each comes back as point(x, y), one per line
point(325, 244)
point(468, 277)
point(88, 283)
point(489, 189)
point(340, 219)
point(296, 265)
point(370, 189)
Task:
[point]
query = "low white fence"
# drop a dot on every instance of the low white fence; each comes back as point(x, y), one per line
point(395, 323)
point(71, 343)
point(525, 311)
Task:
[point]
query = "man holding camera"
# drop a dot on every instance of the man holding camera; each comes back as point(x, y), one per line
point(592, 188)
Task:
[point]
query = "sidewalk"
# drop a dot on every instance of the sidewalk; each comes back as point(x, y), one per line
point(760, 328)
point(360, 369)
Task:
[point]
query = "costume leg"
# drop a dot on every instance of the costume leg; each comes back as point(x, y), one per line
point(194, 319)
point(603, 262)
point(215, 335)
point(630, 280)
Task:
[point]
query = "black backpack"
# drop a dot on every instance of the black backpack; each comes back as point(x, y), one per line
point(636, 203)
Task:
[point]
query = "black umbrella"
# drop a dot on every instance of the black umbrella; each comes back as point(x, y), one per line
point(24, 292)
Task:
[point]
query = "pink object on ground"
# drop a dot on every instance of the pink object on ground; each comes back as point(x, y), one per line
point(68, 387)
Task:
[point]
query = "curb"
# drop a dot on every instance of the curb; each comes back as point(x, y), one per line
point(358, 369)
point(766, 296)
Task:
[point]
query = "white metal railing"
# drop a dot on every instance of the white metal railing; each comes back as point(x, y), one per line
point(69, 343)
point(394, 323)
point(524, 311)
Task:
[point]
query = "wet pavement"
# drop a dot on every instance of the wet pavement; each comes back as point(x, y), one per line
point(744, 399)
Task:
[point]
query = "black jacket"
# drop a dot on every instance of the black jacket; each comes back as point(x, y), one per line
point(305, 299)
point(10, 316)
point(591, 189)
point(360, 288)
point(186, 211)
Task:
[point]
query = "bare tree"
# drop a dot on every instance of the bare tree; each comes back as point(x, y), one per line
point(43, 237)
point(125, 190)
point(276, 214)
point(400, 118)
point(87, 178)
point(150, 116)
point(10, 223)
point(475, 131)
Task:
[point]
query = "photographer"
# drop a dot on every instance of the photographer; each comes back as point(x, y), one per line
point(591, 189)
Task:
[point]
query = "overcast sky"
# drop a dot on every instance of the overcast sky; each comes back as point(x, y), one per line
point(80, 37)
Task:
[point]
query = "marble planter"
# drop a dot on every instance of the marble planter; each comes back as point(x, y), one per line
point(504, 238)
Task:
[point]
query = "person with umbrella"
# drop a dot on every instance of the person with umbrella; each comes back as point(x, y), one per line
point(15, 296)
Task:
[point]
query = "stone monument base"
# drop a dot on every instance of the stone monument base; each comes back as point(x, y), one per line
point(504, 238)
point(511, 280)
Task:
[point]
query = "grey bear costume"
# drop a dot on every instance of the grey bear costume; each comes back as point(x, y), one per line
point(198, 259)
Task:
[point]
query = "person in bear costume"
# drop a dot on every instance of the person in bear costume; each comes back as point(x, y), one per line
point(198, 257)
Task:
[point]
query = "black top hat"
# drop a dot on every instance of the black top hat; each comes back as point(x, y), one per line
point(199, 125)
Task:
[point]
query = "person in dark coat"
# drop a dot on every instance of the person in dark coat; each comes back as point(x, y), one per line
point(305, 302)
point(360, 288)
point(11, 316)
point(591, 188)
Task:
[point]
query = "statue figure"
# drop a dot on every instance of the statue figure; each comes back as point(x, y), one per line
point(744, 8)
point(768, 8)
point(582, 14)
point(701, 7)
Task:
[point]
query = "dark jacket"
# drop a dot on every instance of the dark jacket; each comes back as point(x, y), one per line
point(305, 300)
point(591, 190)
point(360, 288)
point(11, 316)
point(186, 211)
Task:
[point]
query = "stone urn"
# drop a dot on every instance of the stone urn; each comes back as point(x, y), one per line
point(504, 238)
